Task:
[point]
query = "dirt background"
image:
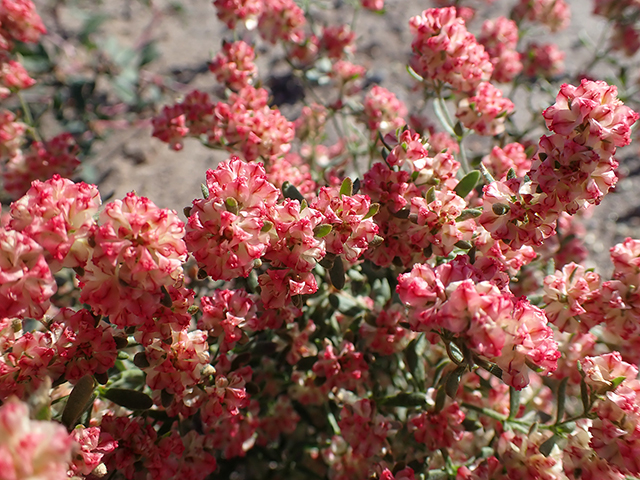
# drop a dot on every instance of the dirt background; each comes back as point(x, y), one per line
point(186, 34)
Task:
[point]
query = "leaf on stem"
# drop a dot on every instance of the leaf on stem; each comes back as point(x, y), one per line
point(78, 401)
point(468, 183)
point(562, 393)
point(131, 399)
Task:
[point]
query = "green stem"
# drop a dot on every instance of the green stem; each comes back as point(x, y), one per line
point(28, 117)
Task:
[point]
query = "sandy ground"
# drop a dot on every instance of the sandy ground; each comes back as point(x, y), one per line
point(132, 160)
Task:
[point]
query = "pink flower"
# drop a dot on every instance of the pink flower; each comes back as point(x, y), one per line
point(591, 114)
point(438, 429)
point(351, 231)
point(138, 251)
point(546, 60)
point(84, 345)
point(337, 41)
point(279, 286)
point(234, 65)
point(293, 241)
point(443, 50)
point(88, 448)
point(383, 111)
point(500, 37)
point(40, 162)
point(600, 372)
point(555, 14)
point(13, 77)
point(566, 292)
point(19, 21)
point(225, 231)
point(485, 111)
point(26, 364)
point(501, 160)
point(436, 222)
point(11, 134)
point(232, 11)
point(58, 214)
point(529, 340)
point(364, 429)
point(375, 5)
point(31, 448)
point(521, 457)
point(344, 367)
point(228, 312)
point(26, 283)
point(170, 126)
point(281, 20)
point(177, 365)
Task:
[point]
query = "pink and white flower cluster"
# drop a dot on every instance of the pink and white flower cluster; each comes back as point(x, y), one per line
point(445, 51)
point(455, 303)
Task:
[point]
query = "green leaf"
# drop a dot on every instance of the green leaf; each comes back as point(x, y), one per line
point(78, 401)
point(584, 396)
point(500, 209)
point(468, 183)
point(205, 190)
point(431, 195)
point(373, 209)
point(617, 381)
point(131, 399)
point(562, 393)
point(347, 187)
point(514, 402)
point(290, 191)
point(468, 213)
point(322, 230)
point(547, 445)
point(231, 204)
point(438, 107)
point(336, 274)
point(458, 130)
point(404, 399)
point(453, 382)
point(414, 74)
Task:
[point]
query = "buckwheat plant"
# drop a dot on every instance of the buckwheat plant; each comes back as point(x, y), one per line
point(361, 290)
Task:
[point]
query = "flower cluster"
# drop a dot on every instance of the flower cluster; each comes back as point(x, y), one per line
point(485, 111)
point(245, 124)
point(464, 310)
point(444, 51)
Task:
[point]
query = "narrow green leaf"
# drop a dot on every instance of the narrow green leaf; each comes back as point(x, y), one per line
point(562, 394)
point(322, 230)
point(617, 381)
point(347, 187)
point(78, 401)
point(584, 396)
point(453, 382)
point(290, 191)
point(468, 183)
point(438, 108)
point(404, 399)
point(468, 213)
point(431, 195)
point(231, 204)
point(336, 274)
point(131, 399)
point(373, 209)
point(514, 402)
point(205, 190)
point(547, 445)
point(414, 74)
